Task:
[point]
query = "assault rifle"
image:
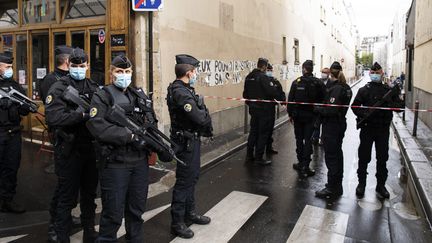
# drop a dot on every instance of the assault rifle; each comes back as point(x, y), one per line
point(17, 97)
point(155, 139)
point(393, 91)
point(72, 95)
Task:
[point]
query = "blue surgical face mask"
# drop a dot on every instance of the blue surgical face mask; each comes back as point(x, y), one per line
point(123, 80)
point(193, 79)
point(77, 73)
point(8, 73)
point(375, 77)
point(269, 74)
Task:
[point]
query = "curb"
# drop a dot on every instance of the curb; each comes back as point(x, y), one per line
point(419, 169)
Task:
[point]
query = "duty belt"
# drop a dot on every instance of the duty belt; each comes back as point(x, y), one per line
point(186, 134)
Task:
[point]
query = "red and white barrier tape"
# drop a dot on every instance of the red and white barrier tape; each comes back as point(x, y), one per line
point(317, 104)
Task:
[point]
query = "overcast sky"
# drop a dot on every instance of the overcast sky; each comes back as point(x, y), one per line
point(374, 17)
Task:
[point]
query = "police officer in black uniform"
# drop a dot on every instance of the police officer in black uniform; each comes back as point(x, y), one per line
point(122, 155)
point(306, 88)
point(190, 119)
point(326, 84)
point(375, 128)
point(10, 138)
point(73, 150)
point(259, 86)
point(280, 97)
point(333, 131)
point(61, 70)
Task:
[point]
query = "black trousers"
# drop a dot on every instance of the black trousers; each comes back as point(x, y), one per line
point(183, 199)
point(10, 158)
point(333, 133)
point(303, 131)
point(77, 173)
point(124, 192)
point(270, 138)
point(368, 136)
point(261, 127)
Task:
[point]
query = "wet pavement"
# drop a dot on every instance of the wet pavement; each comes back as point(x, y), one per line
point(252, 203)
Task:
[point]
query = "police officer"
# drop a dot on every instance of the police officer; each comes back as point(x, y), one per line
point(10, 138)
point(73, 150)
point(122, 155)
point(190, 119)
point(61, 70)
point(375, 128)
point(281, 97)
point(334, 127)
point(261, 87)
point(326, 84)
point(306, 88)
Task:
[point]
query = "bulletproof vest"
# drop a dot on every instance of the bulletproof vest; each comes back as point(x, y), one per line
point(306, 90)
point(9, 117)
point(374, 94)
point(178, 119)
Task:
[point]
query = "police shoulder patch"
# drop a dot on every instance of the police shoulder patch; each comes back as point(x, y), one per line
point(48, 99)
point(332, 100)
point(93, 112)
point(271, 84)
point(188, 107)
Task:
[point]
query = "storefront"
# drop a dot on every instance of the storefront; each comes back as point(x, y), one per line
point(31, 29)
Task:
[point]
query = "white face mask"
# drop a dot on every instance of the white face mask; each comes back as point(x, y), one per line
point(324, 75)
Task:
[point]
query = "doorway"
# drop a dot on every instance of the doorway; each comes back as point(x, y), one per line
point(40, 61)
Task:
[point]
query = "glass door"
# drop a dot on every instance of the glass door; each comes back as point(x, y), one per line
point(97, 56)
point(40, 61)
point(21, 61)
point(78, 39)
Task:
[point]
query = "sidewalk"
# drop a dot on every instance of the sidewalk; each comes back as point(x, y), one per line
point(417, 155)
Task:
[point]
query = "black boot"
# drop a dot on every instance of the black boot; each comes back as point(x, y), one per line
point(89, 235)
point(181, 230)
point(11, 207)
point(262, 161)
point(327, 193)
point(360, 190)
point(198, 219)
point(382, 191)
point(306, 172)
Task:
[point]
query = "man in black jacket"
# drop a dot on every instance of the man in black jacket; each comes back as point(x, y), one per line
point(10, 138)
point(73, 149)
point(259, 86)
point(61, 70)
point(375, 128)
point(306, 88)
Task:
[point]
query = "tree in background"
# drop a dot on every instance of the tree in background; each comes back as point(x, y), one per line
point(367, 60)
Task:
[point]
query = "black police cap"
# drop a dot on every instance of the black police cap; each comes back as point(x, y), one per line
point(308, 63)
point(376, 67)
point(63, 50)
point(6, 58)
point(121, 62)
point(187, 59)
point(336, 65)
point(78, 56)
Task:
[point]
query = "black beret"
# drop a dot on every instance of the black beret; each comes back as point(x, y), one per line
point(78, 56)
point(62, 50)
point(336, 65)
point(376, 67)
point(269, 67)
point(121, 62)
point(6, 58)
point(187, 59)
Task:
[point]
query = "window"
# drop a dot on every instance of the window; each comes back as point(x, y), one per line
point(284, 49)
point(8, 14)
point(37, 11)
point(86, 8)
point(313, 54)
point(296, 52)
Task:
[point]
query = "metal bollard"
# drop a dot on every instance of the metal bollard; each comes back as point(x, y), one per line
point(277, 111)
point(403, 114)
point(417, 105)
point(246, 126)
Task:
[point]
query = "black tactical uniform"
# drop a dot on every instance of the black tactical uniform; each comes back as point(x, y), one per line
point(375, 128)
point(325, 84)
point(190, 120)
point(281, 97)
point(304, 89)
point(10, 142)
point(55, 76)
point(74, 153)
point(334, 126)
point(259, 86)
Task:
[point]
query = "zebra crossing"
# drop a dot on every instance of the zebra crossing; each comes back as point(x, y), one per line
point(233, 211)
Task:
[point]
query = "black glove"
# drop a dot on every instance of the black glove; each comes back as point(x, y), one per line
point(138, 143)
point(165, 156)
point(5, 103)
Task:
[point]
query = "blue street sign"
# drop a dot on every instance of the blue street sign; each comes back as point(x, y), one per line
point(147, 5)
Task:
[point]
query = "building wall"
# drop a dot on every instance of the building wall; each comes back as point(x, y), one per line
point(229, 36)
point(399, 51)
